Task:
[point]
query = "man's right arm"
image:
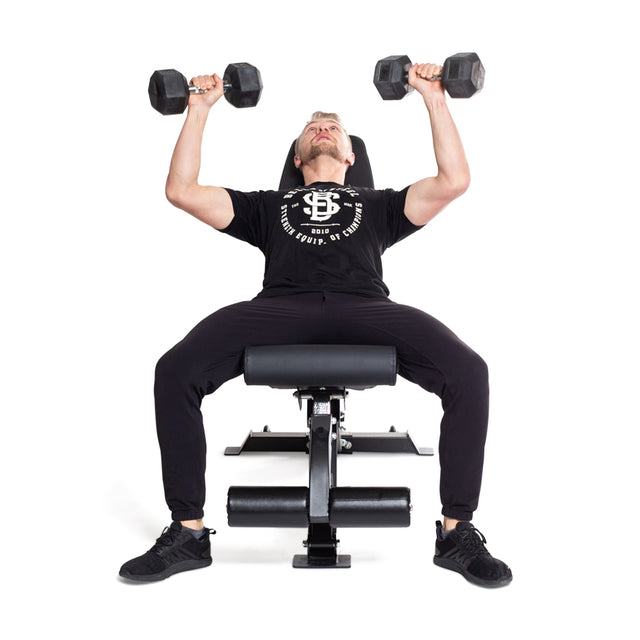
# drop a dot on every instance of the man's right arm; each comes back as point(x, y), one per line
point(209, 204)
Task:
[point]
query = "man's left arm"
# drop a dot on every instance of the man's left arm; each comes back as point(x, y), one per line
point(427, 197)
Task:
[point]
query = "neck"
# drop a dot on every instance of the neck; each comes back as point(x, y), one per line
point(324, 169)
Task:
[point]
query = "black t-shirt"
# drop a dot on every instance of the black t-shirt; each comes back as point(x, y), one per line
point(322, 237)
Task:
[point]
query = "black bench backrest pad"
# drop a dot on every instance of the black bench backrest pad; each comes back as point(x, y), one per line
point(320, 365)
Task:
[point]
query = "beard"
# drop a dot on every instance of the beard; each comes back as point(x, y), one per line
point(324, 148)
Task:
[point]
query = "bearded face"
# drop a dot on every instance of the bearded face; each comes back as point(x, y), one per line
point(324, 137)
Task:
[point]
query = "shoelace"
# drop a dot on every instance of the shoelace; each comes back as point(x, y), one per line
point(168, 537)
point(473, 541)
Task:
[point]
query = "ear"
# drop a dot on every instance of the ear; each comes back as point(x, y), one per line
point(351, 159)
point(297, 162)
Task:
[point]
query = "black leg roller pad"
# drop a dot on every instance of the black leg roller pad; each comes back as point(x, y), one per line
point(348, 507)
point(249, 506)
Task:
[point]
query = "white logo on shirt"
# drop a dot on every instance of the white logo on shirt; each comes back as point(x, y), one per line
point(311, 225)
point(322, 205)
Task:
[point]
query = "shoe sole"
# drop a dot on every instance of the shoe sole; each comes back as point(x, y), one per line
point(185, 565)
point(445, 563)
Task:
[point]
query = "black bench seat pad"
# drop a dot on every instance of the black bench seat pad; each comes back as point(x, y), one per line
point(320, 365)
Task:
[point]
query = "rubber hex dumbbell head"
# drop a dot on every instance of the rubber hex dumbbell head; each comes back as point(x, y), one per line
point(243, 85)
point(463, 75)
point(391, 77)
point(168, 91)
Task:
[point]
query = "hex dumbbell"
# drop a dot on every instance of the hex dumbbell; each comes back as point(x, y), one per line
point(462, 76)
point(169, 90)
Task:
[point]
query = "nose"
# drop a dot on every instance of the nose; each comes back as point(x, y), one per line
point(323, 129)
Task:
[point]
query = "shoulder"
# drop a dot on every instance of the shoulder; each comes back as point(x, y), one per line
point(393, 198)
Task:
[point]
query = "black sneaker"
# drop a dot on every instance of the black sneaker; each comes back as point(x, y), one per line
point(174, 551)
point(463, 550)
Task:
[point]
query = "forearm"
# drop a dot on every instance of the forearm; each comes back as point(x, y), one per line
point(185, 162)
point(212, 205)
point(427, 197)
point(453, 170)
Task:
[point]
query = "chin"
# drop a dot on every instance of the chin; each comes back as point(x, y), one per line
point(325, 149)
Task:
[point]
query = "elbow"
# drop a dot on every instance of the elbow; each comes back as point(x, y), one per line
point(458, 184)
point(462, 186)
point(466, 180)
point(174, 194)
point(461, 180)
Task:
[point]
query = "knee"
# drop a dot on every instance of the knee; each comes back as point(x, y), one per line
point(164, 366)
point(479, 368)
point(472, 373)
point(171, 368)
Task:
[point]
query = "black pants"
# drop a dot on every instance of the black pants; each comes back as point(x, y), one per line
point(429, 354)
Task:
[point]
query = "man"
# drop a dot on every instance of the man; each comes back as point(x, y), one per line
point(323, 284)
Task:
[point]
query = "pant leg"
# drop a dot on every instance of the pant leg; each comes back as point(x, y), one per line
point(209, 355)
point(429, 355)
point(432, 356)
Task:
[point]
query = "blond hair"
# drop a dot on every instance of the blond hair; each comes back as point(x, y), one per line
point(322, 115)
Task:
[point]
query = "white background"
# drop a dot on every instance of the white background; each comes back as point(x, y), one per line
point(535, 267)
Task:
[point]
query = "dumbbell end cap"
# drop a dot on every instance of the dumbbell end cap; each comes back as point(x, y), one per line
point(391, 77)
point(168, 91)
point(243, 85)
point(463, 75)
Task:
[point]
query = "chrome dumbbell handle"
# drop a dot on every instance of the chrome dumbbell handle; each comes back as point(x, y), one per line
point(198, 91)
